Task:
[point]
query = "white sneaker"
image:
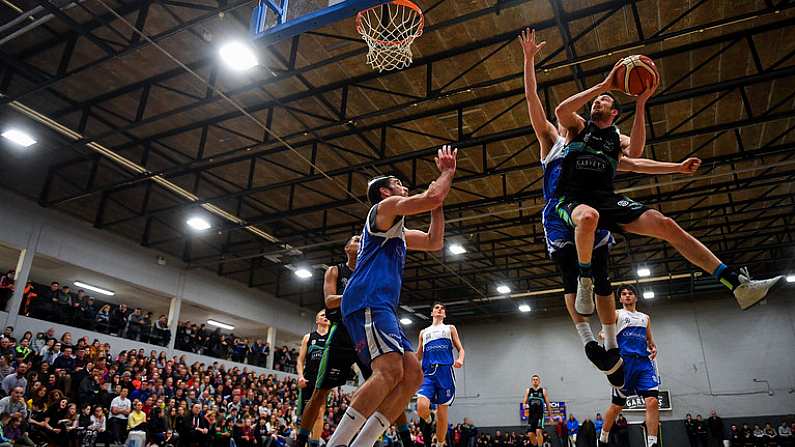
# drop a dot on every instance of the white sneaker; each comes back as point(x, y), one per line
point(584, 304)
point(752, 291)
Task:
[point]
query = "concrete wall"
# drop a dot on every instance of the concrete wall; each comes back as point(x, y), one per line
point(69, 240)
point(709, 354)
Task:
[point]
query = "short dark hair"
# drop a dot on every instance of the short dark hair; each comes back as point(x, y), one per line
point(535, 375)
point(616, 104)
point(374, 187)
point(629, 287)
point(439, 303)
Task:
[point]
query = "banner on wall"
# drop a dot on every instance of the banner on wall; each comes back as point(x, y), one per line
point(635, 403)
point(557, 409)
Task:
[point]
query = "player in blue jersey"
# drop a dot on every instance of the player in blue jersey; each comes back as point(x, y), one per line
point(435, 351)
point(370, 301)
point(560, 236)
point(640, 374)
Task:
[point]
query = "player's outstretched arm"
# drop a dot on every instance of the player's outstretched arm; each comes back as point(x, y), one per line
point(544, 130)
point(567, 111)
point(433, 240)
point(648, 166)
point(458, 346)
point(330, 296)
point(637, 140)
point(432, 198)
point(299, 364)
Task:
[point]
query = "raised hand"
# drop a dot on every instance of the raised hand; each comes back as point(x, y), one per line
point(446, 158)
point(529, 45)
point(690, 166)
point(643, 97)
point(610, 82)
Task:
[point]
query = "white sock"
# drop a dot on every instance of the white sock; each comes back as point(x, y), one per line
point(584, 329)
point(651, 440)
point(376, 426)
point(350, 424)
point(610, 336)
point(604, 436)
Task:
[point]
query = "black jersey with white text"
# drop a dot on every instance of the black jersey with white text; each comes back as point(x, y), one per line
point(343, 274)
point(590, 162)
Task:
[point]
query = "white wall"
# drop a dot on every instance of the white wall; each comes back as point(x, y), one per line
point(70, 240)
point(709, 354)
point(118, 344)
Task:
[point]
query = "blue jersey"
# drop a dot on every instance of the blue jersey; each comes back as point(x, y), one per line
point(632, 340)
point(378, 276)
point(437, 346)
point(558, 233)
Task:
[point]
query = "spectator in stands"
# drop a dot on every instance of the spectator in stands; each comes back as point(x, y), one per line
point(572, 427)
point(14, 403)
point(120, 409)
point(65, 361)
point(715, 429)
point(197, 428)
point(135, 325)
point(702, 433)
point(118, 320)
point(7, 348)
point(161, 334)
point(102, 319)
point(622, 430)
point(6, 288)
point(44, 307)
point(17, 379)
point(785, 434)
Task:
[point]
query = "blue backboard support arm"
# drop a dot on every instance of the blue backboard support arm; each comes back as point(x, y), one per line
point(286, 29)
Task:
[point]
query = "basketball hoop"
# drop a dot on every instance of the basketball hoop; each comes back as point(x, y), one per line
point(389, 30)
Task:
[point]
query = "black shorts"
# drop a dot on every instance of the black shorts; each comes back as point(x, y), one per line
point(339, 356)
point(535, 421)
point(566, 259)
point(614, 210)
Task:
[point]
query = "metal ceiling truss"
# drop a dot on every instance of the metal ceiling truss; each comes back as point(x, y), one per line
point(518, 258)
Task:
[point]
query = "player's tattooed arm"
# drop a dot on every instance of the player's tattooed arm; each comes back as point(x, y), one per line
point(567, 111)
point(331, 297)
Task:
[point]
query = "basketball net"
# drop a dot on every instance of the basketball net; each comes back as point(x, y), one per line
point(389, 30)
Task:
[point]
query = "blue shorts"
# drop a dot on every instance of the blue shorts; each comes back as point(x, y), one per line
point(640, 379)
point(559, 234)
point(438, 385)
point(374, 332)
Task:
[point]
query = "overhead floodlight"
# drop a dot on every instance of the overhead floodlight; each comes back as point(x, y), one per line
point(790, 278)
point(643, 272)
point(215, 323)
point(524, 308)
point(303, 273)
point(457, 249)
point(406, 321)
point(94, 288)
point(503, 289)
point(238, 56)
point(648, 294)
point(19, 137)
point(198, 223)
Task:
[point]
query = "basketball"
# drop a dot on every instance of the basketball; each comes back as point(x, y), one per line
point(636, 74)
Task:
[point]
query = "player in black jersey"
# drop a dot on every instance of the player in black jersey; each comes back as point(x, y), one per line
point(536, 399)
point(308, 365)
point(588, 199)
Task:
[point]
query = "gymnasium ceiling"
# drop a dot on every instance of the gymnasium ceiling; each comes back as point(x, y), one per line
point(727, 96)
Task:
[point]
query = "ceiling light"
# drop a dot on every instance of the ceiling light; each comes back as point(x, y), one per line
point(303, 273)
point(644, 272)
point(457, 249)
point(19, 137)
point(648, 294)
point(503, 289)
point(198, 224)
point(238, 56)
point(524, 308)
point(94, 288)
point(228, 327)
point(790, 278)
point(406, 321)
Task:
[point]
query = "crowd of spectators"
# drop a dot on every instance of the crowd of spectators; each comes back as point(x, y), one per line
point(68, 393)
point(712, 432)
point(198, 339)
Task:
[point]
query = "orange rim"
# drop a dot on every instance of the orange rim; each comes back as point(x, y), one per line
point(405, 3)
